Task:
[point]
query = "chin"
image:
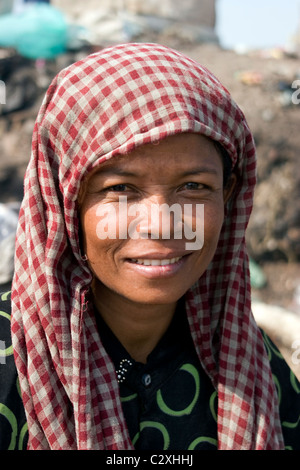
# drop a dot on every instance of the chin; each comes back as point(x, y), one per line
point(158, 297)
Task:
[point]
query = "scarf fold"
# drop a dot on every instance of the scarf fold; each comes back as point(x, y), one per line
point(105, 105)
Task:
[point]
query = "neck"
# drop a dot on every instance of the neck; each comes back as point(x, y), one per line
point(138, 327)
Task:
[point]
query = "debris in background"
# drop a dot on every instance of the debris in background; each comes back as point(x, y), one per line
point(39, 31)
point(257, 276)
point(249, 77)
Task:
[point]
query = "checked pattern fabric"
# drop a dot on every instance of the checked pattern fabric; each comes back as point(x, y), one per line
point(105, 105)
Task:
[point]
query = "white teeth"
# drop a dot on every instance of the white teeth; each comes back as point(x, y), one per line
point(156, 262)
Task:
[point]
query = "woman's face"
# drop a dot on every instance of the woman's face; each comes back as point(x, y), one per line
point(137, 246)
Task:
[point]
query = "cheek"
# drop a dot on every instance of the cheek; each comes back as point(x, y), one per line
point(213, 221)
point(88, 227)
point(101, 242)
point(94, 243)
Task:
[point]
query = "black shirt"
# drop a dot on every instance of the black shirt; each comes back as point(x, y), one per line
point(13, 425)
point(168, 403)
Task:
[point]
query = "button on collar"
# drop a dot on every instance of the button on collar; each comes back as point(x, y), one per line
point(146, 380)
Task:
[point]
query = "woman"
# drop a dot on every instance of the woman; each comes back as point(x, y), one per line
point(124, 336)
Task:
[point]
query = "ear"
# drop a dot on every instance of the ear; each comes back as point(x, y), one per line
point(229, 188)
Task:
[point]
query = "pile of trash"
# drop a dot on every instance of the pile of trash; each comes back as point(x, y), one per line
point(106, 27)
point(136, 20)
point(37, 31)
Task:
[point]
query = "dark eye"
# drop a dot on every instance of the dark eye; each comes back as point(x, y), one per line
point(193, 185)
point(117, 188)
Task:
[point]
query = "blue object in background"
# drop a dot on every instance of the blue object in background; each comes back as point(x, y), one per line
point(40, 31)
point(257, 276)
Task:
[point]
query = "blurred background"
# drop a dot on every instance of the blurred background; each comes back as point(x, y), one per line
point(252, 46)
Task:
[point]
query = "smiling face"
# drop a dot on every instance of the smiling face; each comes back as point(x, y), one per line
point(184, 169)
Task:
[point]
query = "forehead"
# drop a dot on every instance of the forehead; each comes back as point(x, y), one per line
point(179, 151)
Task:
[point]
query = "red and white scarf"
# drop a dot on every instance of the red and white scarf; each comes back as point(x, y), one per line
point(104, 105)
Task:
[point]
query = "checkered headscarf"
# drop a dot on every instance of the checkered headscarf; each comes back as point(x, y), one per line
point(104, 105)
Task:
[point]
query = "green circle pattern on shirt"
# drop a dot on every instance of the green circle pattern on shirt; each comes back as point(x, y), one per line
point(16, 441)
point(294, 382)
point(213, 404)
point(187, 410)
point(153, 424)
point(201, 439)
point(9, 415)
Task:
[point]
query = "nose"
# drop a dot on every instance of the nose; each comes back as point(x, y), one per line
point(157, 218)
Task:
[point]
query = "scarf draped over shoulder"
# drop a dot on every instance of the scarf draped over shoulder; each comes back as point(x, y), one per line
point(108, 104)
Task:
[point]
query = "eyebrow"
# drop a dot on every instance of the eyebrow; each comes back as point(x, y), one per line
point(120, 172)
point(202, 169)
point(114, 171)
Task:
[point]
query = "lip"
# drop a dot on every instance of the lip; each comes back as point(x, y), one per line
point(160, 255)
point(158, 272)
